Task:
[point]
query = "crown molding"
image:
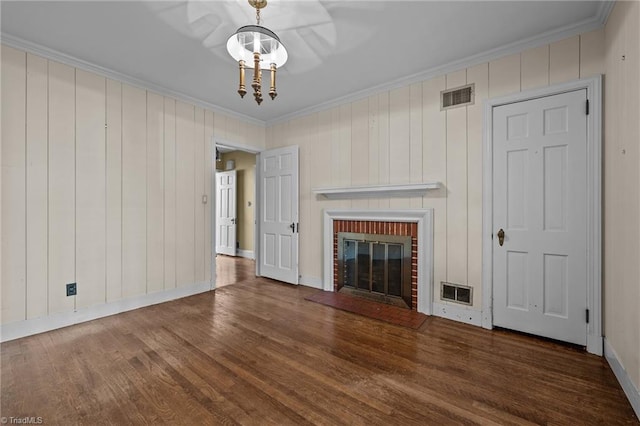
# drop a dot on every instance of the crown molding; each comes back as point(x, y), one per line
point(604, 10)
point(55, 55)
point(594, 23)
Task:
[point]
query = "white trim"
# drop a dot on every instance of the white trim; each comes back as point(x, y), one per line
point(590, 24)
point(458, 313)
point(424, 219)
point(16, 330)
point(55, 55)
point(212, 200)
point(594, 207)
point(228, 144)
point(309, 281)
point(375, 191)
point(216, 141)
point(604, 10)
point(247, 254)
point(629, 388)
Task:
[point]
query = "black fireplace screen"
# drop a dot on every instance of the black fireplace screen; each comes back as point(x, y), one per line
point(373, 263)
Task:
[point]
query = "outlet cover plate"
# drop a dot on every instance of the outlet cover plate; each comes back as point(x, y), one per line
point(72, 289)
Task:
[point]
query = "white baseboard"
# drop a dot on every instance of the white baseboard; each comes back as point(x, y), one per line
point(458, 313)
point(248, 254)
point(632, 392)
point(16, 330)
point(309, 281)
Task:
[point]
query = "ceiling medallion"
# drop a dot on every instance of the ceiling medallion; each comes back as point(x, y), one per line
point(257, 47)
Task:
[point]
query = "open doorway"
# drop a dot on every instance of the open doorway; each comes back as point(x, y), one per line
point(235, 212)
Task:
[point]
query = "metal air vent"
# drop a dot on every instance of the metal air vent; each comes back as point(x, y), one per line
point(460, 96)
point(456, 293)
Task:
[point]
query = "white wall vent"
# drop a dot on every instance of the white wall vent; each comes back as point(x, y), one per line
point(456, 293)
point(459, 96)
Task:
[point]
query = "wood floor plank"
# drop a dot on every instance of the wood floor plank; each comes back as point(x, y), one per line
point(256, 353)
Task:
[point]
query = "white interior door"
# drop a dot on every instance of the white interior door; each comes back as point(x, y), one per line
point(226, 188)
point(278, 227)
point(540, 203)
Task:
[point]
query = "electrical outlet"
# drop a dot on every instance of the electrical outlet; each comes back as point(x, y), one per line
point(72, 289)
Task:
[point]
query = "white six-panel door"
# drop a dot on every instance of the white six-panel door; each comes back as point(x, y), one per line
point(226, 192)
point(278, 256)
point(540, 202)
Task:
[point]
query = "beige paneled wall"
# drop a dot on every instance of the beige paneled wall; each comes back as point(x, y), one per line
point(401, 136)
point(102, 185)
point(622, 186)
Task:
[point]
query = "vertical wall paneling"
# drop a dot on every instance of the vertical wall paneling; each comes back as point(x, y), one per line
point(534, 70)
point(434, 163)
point(114, 190)
point(169, 193)
point(384, 149)
point(102, 186)
point(232, 130)
point(305, 194)
point(199, 218)
point(219, 126)
point(134, 191)
point(13, 185)
point(415, 139)
point(457, 186)
point(335, 147)
point(155, 193)
point(90, 189)
point(621, 189)
point(360, 148)
point(344, 143)
point(592, 53)
point(209, 169)
point(318, 172)
point(36, 187)
point(564, 60)
point(399, 134)
point(185, 194)
point(374, 147)
point(504, 76)
point(62, 186)
point(479, 75)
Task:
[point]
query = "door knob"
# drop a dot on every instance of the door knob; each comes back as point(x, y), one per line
point(233, 221)
point(501, 236)
point(293, 227)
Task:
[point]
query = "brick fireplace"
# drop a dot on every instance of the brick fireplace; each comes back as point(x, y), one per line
point(373, 229)
point(416, 225)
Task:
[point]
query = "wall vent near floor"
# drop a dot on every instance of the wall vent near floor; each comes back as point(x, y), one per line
point(456, 293)
point(459, 96)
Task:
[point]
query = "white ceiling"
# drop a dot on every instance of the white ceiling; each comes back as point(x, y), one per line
point(336, 48)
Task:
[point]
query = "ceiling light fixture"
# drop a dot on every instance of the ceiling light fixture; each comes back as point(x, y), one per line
point(264, 47)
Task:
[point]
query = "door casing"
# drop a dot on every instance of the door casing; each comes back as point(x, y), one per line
point(594, 196)
point(212, 197)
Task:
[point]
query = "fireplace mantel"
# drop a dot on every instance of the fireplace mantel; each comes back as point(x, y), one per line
point(377, 191)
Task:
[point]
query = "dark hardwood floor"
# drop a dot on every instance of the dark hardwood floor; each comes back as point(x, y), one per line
point(257, 353)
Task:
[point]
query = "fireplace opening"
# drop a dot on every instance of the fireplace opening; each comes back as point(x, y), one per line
point(375, 266)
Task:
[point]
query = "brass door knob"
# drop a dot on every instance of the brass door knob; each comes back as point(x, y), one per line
point(501, 236)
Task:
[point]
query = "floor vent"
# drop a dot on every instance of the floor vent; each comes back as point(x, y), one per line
point(460, 96)
point(456, 293)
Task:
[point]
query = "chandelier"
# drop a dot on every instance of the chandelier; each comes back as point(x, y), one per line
point(257, 47)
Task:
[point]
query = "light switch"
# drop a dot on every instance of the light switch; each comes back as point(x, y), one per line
point(204, 199)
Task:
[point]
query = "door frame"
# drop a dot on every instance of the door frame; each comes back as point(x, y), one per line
point(216, 141)
point(594, 195)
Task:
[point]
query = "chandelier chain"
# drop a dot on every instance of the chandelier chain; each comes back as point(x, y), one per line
point(258, 16)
